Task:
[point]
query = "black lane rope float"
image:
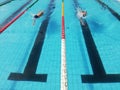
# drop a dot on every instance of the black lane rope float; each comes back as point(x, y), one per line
point(29, 73)
point(11, 18)
point(110, 9)
point(15, 13)
point(5, 2)
point(32, 5)
point(99, 74)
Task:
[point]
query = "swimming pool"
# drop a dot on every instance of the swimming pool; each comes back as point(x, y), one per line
point(31, 55)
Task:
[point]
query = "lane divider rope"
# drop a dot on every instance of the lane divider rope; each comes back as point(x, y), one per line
point(5, 2)
point(14, 19)
point(64, 85)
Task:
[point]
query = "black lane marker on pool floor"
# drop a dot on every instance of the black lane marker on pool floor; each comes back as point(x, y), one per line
point(30, 69)
point(7, 20)
point(99, 74)
point(110, 9)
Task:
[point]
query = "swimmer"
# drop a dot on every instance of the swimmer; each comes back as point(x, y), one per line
point(37, 16)
point(81, 15)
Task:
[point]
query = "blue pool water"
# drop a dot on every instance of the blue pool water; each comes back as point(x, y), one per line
point(17, 42)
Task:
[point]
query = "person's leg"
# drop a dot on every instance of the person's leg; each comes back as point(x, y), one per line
point(81, 21)
point(34, 20)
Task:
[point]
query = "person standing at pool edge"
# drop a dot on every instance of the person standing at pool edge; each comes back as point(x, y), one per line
point(37, 16)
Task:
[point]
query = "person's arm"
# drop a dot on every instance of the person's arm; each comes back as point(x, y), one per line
point(40, 13)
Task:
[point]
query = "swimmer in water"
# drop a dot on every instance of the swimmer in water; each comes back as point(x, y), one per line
point(81, 15)
point(37, 16)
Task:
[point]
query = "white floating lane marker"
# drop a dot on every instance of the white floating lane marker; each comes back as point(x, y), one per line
point(64, 85)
